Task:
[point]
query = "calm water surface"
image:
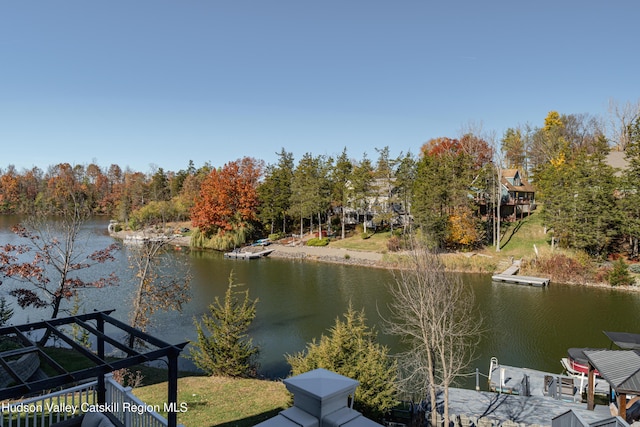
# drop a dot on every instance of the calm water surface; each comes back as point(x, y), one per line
point(298, 301)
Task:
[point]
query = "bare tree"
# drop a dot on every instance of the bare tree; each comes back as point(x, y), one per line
point(157, 287)
point(435, 315)
point(621, 117)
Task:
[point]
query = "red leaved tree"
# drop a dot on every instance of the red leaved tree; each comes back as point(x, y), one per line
point(48, 262)
point(228, 197)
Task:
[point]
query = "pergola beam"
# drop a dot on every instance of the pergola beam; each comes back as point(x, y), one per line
point(134, 357)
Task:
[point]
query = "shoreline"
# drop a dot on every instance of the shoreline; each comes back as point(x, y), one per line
point(333, 255)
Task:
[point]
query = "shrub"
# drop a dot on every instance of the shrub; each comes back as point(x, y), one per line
point(277, 236)
point(318, 242)
point(564, 269)
point(619, 275)
point(393, 244)
point(223, 347)
point(350, 348)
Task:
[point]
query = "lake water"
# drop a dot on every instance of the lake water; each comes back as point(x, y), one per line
point(298, 301)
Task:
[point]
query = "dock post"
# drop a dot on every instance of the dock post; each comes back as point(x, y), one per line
point(477, 379)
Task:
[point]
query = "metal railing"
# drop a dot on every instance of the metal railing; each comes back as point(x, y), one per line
point(61, 405)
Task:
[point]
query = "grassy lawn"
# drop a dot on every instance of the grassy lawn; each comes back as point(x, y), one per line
point(519, 237)
point(219, 401)
point(376, 243)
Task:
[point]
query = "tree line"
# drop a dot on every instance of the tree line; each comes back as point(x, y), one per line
point(438, 192)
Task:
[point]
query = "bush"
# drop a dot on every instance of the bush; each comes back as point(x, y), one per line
point(393, 244)
point(565, 269)
point(223, 347)
point(619, 275)
point(318, 242)
point(351, 349)
point(277, 236)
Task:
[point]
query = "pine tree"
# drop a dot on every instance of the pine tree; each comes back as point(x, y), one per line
point(620, 276)
point(351, 350)
point(227, 350)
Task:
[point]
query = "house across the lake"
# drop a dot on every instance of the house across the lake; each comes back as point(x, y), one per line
point(518, 196)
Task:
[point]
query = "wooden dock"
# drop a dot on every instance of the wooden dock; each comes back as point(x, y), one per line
point(242, 254)
point(510, 275)
point(520, 280)
point(530, 382)
point(482, 408)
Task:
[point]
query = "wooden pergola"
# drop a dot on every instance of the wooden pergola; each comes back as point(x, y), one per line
point(620, 368)
point(94, 324)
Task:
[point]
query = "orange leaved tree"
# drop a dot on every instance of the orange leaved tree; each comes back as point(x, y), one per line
point(228, 197)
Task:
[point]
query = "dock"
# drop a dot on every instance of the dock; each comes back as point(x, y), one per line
point(482, 408)
point(244, 254)
point(530, 382)
point(510, 275)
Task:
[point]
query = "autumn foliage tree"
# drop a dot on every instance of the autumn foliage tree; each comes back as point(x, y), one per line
point(228, 197)
point(54, 273)
point(444, 176)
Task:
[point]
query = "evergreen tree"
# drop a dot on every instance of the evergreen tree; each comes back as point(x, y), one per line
point(310, 188)
point(630, 190)
point(227, 350)
point(275, 192)
point(405, 178)
point(351, 350)
point(619, 275)
point(341, 175)
point(578, 194)
point(361, 182)
point(444, 174)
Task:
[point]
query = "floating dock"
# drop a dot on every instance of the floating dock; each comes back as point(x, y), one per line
point(240, 254)
point(521, 280)
point(510, 275)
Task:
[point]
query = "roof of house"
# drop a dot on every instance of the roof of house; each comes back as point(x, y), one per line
point(617, 160)
point(508, 176)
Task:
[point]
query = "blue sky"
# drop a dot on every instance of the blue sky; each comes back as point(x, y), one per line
point(156, 82)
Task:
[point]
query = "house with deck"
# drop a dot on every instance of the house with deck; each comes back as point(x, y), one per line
point(517, 195)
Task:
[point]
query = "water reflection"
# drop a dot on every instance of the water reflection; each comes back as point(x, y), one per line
point(299, 301)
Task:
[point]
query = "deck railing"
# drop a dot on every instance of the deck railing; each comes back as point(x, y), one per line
point(48, 409)
point(132, 412)
point(64, 404)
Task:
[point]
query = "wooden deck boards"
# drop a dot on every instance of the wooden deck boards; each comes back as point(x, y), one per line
point(497, 408)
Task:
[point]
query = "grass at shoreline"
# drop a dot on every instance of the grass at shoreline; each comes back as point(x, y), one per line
point(377, 242)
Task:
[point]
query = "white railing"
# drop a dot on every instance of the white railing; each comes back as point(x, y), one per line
point(64, 404)
point(133, 412)
point(48, 409)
